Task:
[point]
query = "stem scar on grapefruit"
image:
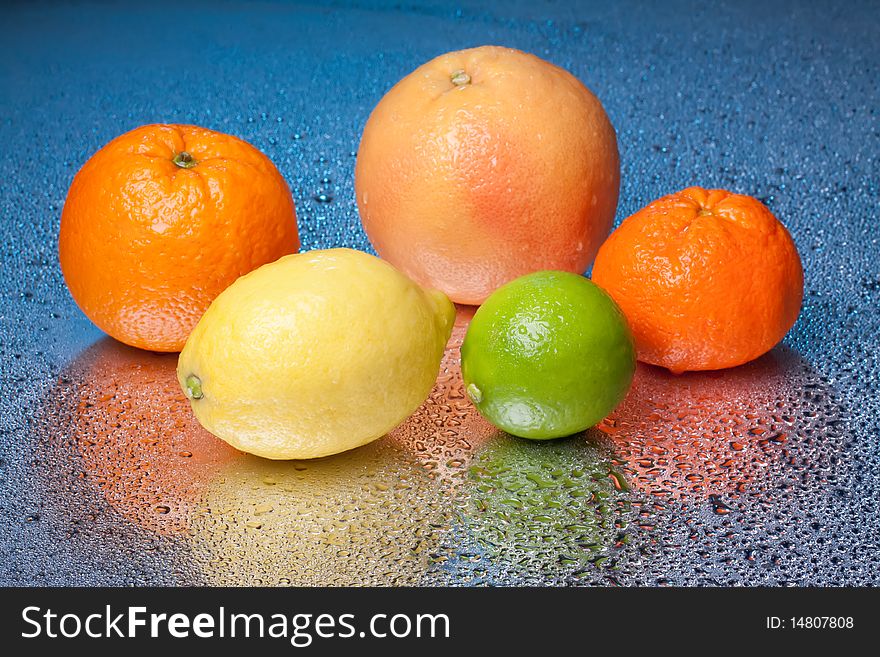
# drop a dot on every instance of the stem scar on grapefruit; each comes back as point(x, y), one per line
point(708, 279)
point(161, 220)
point(484, 165)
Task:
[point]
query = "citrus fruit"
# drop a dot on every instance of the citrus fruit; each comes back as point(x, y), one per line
point(483, 165)
point(708, 279)
point(314, 354)
point(547, 355)
point(161, 220)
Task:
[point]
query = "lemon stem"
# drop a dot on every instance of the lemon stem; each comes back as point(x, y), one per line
point(459, 78)
point(184, 160)
point(194, 387)
point(474, 393)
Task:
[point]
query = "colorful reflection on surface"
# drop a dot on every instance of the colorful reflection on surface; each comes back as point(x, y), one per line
point(686, 436)
point(445, 487)
point(138, 440)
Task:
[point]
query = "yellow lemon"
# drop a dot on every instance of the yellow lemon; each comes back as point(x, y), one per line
point(314, 354)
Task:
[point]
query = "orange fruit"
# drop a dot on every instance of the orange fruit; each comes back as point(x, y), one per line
point(484, 165)
point(708, 279)
point(161, 220)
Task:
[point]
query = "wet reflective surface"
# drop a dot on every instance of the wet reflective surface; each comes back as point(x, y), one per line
point(762, 475)
point(693, 479)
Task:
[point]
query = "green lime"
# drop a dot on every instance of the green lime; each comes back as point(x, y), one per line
point(547, 355)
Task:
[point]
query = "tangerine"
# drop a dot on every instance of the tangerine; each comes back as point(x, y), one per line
point(708, 279)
